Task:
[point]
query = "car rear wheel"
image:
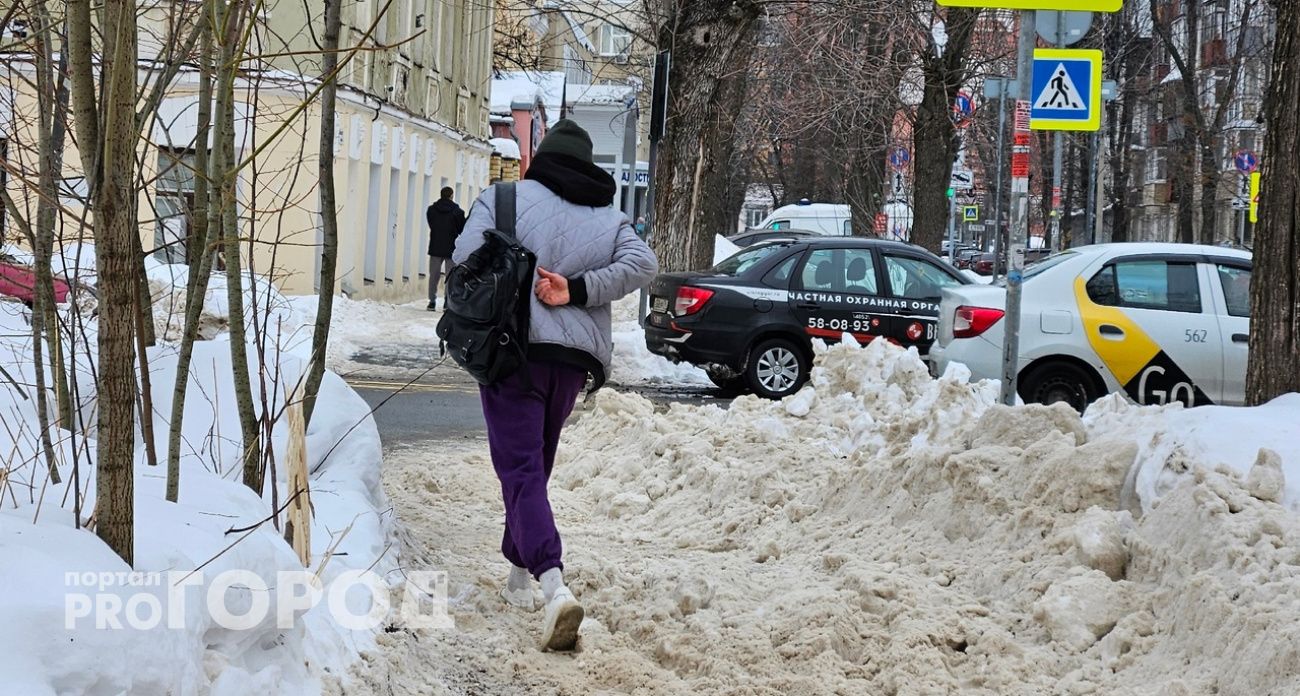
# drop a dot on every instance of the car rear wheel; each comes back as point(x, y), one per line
point(776, 368)
point(1059, 382)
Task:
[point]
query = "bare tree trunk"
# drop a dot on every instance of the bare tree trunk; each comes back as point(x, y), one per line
point(712, 43)
point(232, 14)
point(1182, 167)
point(864, 184)
point(1185, 54)
point(44, 322)
point(114, 202)
point(1046, 144)
point(1070, 182)
point(934, 141)
point(328, 205)
point(1274, 367)
point(1120, 168)
point(199, 256)
point(1129, 55)
point(1209, 188)
point(54, 114)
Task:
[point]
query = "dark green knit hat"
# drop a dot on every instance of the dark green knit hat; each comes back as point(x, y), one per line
point(567, 138)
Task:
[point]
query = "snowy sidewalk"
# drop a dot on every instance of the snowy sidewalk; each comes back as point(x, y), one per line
point(881, 532)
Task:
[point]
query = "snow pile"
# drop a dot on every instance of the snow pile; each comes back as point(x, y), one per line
point(267, 312)
point(634, 364)
point(1173, 440)
point(218, 525)
point(884, 532)
point(505, 147)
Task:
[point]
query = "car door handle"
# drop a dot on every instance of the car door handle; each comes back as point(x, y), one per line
point(1110, 330)
point(808, 305)
point(1240, 338)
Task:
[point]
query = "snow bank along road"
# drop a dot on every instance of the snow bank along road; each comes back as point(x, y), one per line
point(880, 532)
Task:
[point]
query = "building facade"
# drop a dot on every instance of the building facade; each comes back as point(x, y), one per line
point(411, 118)
point(588, 61)
point(1225, 47)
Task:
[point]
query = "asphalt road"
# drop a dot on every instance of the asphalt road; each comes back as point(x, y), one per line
point(449, 409)
point(423, 412)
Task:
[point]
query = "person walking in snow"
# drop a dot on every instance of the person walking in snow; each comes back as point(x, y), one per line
point(446, 220)
point(588, 255)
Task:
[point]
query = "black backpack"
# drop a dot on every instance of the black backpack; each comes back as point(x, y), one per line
point(485, 324)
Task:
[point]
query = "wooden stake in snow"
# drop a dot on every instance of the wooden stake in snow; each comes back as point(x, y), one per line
point(297, 529)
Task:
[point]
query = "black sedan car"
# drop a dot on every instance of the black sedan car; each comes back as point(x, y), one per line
point(751, 237)
point(749, 321)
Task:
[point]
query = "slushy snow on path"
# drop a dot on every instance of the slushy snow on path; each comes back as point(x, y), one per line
point(880, 532)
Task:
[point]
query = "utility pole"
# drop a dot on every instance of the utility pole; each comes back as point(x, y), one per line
point(629, 154)
point(1019, 236)
point(658, 119)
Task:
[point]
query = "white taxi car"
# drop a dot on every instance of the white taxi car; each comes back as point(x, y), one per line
point(1159, 322)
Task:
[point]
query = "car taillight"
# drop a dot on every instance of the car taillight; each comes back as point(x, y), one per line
point(970, 322)
point(690, 300)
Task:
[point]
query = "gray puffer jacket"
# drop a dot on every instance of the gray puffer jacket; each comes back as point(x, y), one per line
point(598, 245)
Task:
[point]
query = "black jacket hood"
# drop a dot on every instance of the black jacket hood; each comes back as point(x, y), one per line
point(445, 205)
point(576, 181)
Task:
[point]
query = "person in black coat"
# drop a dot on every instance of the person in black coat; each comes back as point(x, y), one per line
point(446, 220)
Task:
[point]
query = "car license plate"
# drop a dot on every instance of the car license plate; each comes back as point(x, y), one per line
point(660, 304)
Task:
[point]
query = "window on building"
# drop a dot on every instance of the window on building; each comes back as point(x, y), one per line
point(1157, 165)
point(614, 40)
point(576, 70)
point(174, 200)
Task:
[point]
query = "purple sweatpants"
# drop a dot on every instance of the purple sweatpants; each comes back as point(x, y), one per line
point(523, 426)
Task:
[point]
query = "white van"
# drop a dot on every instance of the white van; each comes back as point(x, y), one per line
point(829, 219)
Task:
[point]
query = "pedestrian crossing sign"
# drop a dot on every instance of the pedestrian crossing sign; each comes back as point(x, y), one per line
point(1066, 90)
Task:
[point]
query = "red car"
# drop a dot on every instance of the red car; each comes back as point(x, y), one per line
point(19, 282)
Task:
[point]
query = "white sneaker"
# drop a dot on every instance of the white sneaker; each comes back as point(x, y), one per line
point(563, 617)
point(524, 599)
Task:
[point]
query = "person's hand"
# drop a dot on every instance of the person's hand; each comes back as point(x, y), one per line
point(552, 289)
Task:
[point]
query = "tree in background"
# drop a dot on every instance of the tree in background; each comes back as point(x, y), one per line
point(1128, 50)
point(945, 68)
point(1274, 367)
point(711, 42)
point(826, 100)
point(1208, 72)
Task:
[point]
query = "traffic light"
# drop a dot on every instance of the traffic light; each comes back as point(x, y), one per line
point(952, 192)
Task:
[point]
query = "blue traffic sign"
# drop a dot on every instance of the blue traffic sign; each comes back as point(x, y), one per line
point(1066, 90)
point(899, 158)
point(1246, 161)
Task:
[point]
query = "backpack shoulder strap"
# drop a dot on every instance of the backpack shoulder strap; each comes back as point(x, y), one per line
point(505, 215)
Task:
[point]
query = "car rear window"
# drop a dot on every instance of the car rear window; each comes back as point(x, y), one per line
point(745, 259)
point(1036, 268)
